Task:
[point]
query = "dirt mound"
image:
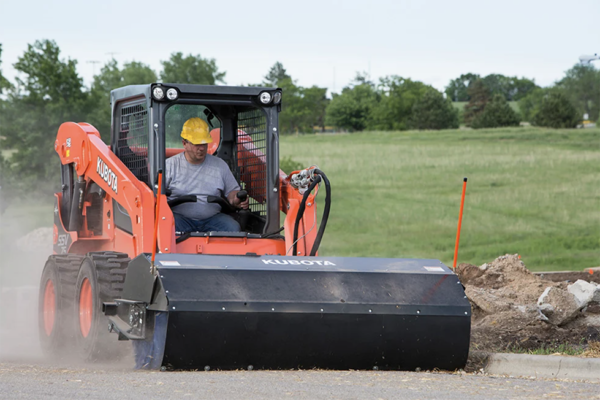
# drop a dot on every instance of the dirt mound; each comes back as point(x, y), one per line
point(513, 308)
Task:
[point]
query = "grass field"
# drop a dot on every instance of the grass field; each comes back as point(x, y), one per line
point(530, 191)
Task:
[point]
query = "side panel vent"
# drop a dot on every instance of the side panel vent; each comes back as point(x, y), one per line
point(252, 159)
point(132, 144)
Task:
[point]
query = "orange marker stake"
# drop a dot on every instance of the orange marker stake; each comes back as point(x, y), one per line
point(462, 203)
point(158, 192)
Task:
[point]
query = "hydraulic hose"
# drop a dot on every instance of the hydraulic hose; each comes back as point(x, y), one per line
point(317, 242)
point(301, 212)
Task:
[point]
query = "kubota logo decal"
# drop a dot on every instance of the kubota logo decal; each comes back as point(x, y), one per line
point(298, 262)
point(106, 173)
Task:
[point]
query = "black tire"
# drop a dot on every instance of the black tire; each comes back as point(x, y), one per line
point(60, 272)
point(105, 274)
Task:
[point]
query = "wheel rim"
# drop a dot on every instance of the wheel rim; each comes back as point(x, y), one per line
point(49, 307)
point(86, 303)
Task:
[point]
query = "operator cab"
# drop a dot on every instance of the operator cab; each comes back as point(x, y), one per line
point(146, 125)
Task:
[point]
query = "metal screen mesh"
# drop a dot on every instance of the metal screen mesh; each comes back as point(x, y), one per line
point(132, 145)
point(251, 155)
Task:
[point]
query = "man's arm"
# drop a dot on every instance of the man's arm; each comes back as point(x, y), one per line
point(231, 187)
point(233, 199)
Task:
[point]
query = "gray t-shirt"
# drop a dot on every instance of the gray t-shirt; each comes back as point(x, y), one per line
point(212, 177)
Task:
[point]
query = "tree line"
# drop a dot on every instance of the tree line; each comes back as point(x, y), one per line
point(48, 91)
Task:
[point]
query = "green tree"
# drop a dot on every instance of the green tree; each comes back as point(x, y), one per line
point(4, 83)
point(432, 111)
point(292, 111)
point(301, 108)
point(480, 96)
point(497, 113)
point(512, 88)
point(581, 85)
point(112, 77)
point(521, 87)
point(316, 101)
point(397, 96)
point(49, 92)
point(352, 108)
point(457, 89)
point(191, 69)
point(556, 111)
point(136, 73)
point(529, 103)
point(276, 74)
point(497, 84)
point(47, 78)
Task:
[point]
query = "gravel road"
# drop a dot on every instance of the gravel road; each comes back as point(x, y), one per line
point(40, 380)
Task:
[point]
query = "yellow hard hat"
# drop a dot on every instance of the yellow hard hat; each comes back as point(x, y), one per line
point(195, 131)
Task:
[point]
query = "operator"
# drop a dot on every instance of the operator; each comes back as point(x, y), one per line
point(196, 172)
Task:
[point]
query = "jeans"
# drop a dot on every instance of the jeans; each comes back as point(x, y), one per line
point(217, 223)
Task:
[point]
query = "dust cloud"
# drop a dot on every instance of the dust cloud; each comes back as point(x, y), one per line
point(22, 259)
point(23, 254)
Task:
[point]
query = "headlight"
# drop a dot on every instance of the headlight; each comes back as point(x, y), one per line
point(265, 97)
point(158, 93)
point(172, 94)
point(276, 97)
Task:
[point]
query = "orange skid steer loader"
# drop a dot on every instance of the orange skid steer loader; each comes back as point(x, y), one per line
point(257, 298)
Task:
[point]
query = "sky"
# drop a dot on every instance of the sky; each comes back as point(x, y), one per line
point(323, 43)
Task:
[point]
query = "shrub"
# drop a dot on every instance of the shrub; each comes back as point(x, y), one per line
point(287, 165)
point(432, 111)
point(397, 98)
point(555, 111)
point(529, 103)
point(497, 113)
point(352, 108)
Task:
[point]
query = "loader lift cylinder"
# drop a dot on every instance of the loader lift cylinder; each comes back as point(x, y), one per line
point(77, 204)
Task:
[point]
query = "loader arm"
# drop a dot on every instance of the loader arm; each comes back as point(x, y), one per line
point(80, 144)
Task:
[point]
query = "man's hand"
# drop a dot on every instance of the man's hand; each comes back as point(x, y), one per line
point(233, 199)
